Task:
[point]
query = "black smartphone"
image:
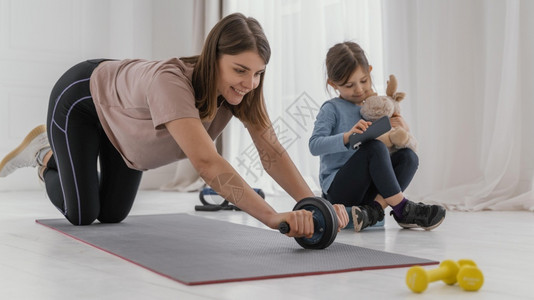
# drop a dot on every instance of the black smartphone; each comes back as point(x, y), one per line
point(377, 128)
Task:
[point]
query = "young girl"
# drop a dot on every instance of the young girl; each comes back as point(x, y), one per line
point(134, 115)
point(366, 180)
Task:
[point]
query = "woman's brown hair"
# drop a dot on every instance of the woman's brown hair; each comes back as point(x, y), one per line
point(342, 60)
point(232, 35)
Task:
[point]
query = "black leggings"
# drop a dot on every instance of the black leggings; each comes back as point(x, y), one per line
point(371, 171)
point(78, 142)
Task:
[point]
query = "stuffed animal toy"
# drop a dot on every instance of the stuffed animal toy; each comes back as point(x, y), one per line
point(375, 107)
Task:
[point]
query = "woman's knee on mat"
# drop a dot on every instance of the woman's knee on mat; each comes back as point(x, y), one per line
point(113, 217)
point(81, 220)
point(86, 219)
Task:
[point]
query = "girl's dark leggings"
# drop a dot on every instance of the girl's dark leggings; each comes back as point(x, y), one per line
point(370, 171)
point(73, 182)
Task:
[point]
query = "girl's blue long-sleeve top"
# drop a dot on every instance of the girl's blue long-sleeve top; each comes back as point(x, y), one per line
point(335, 117)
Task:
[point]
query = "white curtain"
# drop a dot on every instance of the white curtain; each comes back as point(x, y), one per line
point(300, 33)
point(206, 14)
point(468, 70)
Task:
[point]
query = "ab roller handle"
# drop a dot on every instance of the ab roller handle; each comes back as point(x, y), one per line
point(284, 228)
point(324, 223)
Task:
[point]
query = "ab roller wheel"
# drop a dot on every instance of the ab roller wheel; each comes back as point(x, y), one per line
point(324, 223)
point(324, 217)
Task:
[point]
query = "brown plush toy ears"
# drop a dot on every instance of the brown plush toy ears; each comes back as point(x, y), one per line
point(392, 87)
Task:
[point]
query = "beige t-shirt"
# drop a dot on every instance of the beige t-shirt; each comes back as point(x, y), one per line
point(135, 98)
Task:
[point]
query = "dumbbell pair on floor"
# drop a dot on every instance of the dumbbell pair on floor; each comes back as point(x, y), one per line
point(465, 272)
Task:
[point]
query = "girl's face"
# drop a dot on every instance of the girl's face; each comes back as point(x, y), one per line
point(356, 88)
point(238, 75)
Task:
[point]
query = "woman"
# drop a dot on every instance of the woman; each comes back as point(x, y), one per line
point(134, 115)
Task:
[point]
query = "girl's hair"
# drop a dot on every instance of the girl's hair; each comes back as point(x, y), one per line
point(342, 60)
point(232, 35)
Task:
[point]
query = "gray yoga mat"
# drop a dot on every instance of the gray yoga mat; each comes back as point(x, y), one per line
point(195, 250)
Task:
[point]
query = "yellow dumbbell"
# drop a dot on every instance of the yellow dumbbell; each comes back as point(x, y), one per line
point(418, 278)
point(469, 277)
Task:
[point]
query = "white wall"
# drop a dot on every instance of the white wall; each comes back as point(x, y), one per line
point(172, 31)
point(39, 40)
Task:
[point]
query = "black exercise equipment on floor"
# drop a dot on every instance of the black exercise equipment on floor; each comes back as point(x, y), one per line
point(211, 201)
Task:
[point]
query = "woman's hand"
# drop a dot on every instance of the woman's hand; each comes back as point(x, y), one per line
point(398, 121)
point(359, 127)
point(300, 223)
point(342, 216)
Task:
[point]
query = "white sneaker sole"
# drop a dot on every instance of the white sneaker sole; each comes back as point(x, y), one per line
point(356, 218)
point(24, 154)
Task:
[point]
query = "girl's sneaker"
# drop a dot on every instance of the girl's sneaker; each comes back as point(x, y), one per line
point(420, 215)
point(366, 215)
point(27, 153)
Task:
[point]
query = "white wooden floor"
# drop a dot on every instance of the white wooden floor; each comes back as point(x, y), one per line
point(39, 263)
